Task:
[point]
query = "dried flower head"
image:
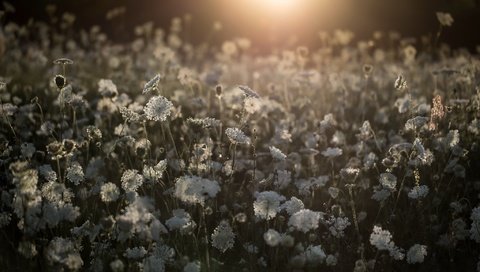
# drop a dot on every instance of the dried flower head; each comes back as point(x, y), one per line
point(60, 81)
point(436, 113)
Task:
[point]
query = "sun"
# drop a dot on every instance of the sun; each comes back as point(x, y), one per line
point(280, 3)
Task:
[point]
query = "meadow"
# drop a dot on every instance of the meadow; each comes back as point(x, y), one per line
point(163, 155)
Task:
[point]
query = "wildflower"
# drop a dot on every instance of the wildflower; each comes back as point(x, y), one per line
point(436, 113)
point(248, 92)
point(207, 122)
point(60, 81)
point(109, 192)
point(475, 228)
point(151, 85)
point(75, 173)
point(444, 18)
point(195, 190)
point(237, 136)
point(107, 88)
point(63, 251)
point(117, 265)
point(292, 206)
point(181, 221)
point(251, 104)
point(333, 192)
point(283, 179)
point(155, 173)
point(267, 204)
point(223, 237)
point(331, 260)
point(338, 225)
point(158, 258)
point(277, 153)
point(388, 181)
point(315, 255)
point(186, 76)
point(129, 115)
point(416, 254)
point(418, 192)
point(304, 220)
point(272, 238)
point(382, 240)
point(332, 152)
point(135, 253)
point(47, 172)
point(158, 108)
point(131, 180)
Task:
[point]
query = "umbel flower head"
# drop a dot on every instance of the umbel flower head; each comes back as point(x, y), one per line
point(152, 84)
point(193, 189)
point(158, 108)
point(223, 237)
point(237, 136)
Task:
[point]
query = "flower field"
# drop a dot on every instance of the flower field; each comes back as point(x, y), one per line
point(163, 155)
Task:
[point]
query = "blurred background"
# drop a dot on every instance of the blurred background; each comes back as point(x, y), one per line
point(270, 22)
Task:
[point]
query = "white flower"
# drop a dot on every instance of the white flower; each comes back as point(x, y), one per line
point(272, 237)
point(248, 92)
point(63, 251)
point(193, 189)
point(158, 108)
point(135, 253)
point(331, 260)
point(152, 84)
point(444, 18)
point(382, 240)
point(181, 220)
point(418, 192)
point(131, 180)
point(333, 192)
point(237, 136)
point(284, 177)
point(315, 255)
point(475, 228)
point(154, 173)
point(117, 265)
point(380, 194)
point(332, 152)
point(109, 192)
point(107, 88)
point(304, 220)
point(267, 204)
point(338, 225)
point(388, 181)
point(75, 173)
point(223, 237)
point(252, 104)
point(277, 153)
point(292, 206)
point(416, 254)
